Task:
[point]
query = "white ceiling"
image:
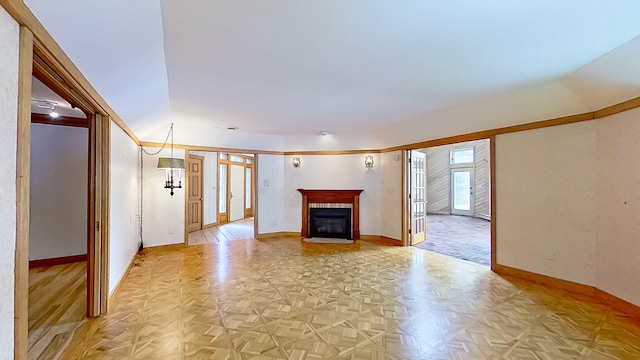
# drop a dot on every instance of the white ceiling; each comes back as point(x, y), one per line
point(373, 74)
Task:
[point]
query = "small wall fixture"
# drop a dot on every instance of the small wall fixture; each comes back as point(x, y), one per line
point(172, 166)
point(296, 162)
point(368, 161)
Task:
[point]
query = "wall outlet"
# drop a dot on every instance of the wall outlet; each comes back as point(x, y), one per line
point(170, 230)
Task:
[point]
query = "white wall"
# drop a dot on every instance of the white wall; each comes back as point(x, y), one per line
point(124, 230)
point(334, 172)
point(618, 205)
point(209, 186)
point(391, 196)
point(270, 188)
point(9, 34)
point(59, 191)
point(545, 190)
point(162, 214)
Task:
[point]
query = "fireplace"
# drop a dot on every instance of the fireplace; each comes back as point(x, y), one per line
point(330, 223)
point(342, 200)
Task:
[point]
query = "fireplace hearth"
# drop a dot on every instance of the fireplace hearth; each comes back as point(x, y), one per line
point(330, 223)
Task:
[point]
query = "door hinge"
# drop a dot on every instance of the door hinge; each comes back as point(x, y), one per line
point(97, 225)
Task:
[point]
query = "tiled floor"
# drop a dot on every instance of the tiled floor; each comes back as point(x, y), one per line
point(237, 230)
point(286, 299)
point(462, 237)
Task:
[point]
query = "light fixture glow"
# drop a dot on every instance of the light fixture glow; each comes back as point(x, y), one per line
point(368, 161)
point(54, 114)
point(296, 162)
point(324, 133)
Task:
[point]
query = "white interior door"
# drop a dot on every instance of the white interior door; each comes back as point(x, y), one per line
point(418, 197)
point(462, 191)
point(237, 193)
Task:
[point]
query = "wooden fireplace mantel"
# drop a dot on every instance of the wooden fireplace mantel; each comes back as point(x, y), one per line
point(331, 196)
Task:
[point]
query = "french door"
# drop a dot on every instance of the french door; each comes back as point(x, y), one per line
point(418, 197)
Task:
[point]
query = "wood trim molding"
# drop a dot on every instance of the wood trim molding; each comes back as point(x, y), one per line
point(493, 196)
point(23, 173)
point(617, 108)
point(62, 120)
point(57, 261)
point(280, 234)
point(332, 152)
point(570, 286)
point(616, 302)
point(544, 279)
point(382, 239)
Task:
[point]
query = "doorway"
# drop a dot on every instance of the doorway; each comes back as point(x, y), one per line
point(220, 197)
point(457, 200)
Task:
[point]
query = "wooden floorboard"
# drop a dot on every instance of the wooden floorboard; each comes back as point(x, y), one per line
point(282, 298)
point(57, 307)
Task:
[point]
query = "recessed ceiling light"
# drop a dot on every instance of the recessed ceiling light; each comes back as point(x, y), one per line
point(232, 128)
point(323, 133)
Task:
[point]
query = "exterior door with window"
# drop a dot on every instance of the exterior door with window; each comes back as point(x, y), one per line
point(418, 197)
point(462, 182)
point(462, 191)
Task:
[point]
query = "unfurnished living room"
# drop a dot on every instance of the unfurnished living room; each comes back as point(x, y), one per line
point(271, 180)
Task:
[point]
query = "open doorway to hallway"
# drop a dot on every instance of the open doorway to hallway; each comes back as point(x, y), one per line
point(220, 196)
point(457, 190)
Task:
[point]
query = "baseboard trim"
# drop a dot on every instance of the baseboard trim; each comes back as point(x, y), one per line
point(57, 261)
point(620, 304)
point(614, 301)
point(544, 279)
point(124, 275)
point(164, 248)
point(383, 239)
point(278, 235)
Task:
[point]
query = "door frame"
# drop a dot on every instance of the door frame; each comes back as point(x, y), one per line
point(39, 59)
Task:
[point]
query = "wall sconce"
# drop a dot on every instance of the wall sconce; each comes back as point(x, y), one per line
point(368, 161)
point(296, 162)
point(171, 166)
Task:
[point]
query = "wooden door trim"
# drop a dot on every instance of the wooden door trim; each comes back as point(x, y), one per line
point(23, 173)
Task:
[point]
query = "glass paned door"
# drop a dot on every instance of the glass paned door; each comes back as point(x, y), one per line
point(462, 191)
point(418, 197)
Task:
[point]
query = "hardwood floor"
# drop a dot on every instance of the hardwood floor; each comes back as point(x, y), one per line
point(57, 307)
point(287, 299)
point(237, 230)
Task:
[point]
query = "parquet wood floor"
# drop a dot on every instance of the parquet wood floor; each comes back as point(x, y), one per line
point(287, 299)
point(57, 307)
point(237, 230)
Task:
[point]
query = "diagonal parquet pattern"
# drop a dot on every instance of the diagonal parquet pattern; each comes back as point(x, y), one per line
point(286, 299)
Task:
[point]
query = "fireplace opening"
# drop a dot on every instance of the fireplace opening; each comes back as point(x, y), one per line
point(330, 223)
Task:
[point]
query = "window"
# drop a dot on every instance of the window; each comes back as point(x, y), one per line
point(223, 189)
point(247, 195)
point(464, 156)
point(236, 158)
point(223, 156)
